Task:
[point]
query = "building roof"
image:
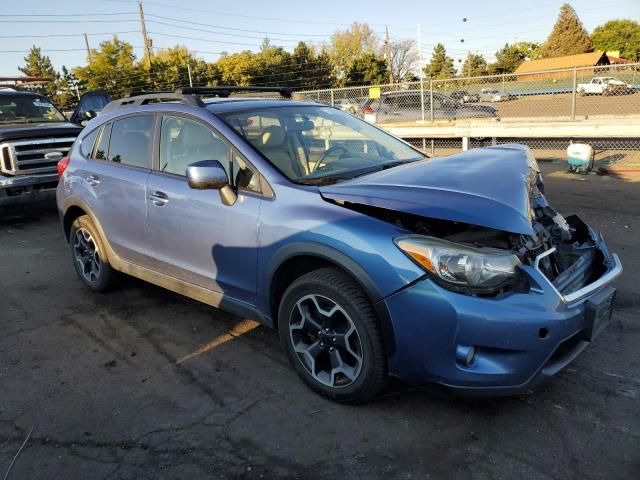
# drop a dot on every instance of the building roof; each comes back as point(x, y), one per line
point(613, 59)
point(569, 61)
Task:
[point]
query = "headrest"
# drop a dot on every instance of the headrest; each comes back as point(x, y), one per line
point(272, 136)
point(198, 138)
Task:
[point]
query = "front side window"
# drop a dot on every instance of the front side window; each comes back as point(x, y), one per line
point(184, 141)
point(131, 139)
point(316, 144)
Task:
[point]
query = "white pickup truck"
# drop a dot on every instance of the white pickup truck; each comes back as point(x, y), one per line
point(604, 86)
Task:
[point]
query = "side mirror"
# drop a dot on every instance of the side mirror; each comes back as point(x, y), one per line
point(88, 115)
point(211, 175)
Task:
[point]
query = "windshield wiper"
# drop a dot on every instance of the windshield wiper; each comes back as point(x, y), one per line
point(329, 179)
point(384, 166)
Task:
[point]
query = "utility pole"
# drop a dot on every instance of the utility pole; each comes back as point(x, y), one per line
point(86, 44)
point(145, 37)
point(387, 46)
point(189, 70)
point(421, 74)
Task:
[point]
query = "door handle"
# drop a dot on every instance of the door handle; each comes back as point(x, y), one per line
point(159, 198)
point(93, 180)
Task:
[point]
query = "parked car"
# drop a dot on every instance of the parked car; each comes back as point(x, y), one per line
point(464, 96)
point(93, 101)
point(495, 95)
point(406, 105)
point(34, 136)
point(367, 257)
point(348, 105)
point(604, 86)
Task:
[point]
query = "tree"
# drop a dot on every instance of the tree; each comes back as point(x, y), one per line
point(113, 68)
point(441, 66)
point(310, 70)
point(568, 37)
point(266, 44)
point(403, 59)
point(66, 94)
point(618, 35)
point(509, 58)
point(369, 69)
point(474, 65)
point(38, 65)
point(237, 68)
point(170, 69)
point(345, 45)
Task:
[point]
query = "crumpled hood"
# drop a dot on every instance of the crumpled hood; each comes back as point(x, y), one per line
point(489, 187)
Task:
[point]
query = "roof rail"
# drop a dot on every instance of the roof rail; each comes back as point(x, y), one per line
point(143, 98)
point(285, 92)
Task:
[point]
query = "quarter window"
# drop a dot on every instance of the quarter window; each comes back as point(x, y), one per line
point(131, 140)
point(86, 146)
point(103, 145)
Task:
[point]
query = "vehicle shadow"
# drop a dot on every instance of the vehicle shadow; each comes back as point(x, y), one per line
point(20, 215)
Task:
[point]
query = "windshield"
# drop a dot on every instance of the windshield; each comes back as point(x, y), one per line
point(27, 109)
point(319, 145)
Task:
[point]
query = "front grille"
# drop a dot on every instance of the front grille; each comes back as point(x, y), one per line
point(29, 156)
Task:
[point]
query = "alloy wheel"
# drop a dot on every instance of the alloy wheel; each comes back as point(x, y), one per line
point(86, 254)
point(326, 341)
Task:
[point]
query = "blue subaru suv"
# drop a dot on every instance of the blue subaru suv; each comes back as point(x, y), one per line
point(368, 258)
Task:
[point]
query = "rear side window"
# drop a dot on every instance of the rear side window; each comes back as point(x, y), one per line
point(86, 145)
point(131, 139)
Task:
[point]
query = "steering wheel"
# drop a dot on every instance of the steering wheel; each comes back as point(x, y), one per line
point(329, 152)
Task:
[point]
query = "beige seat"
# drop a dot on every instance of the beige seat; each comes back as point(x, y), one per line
point(195, 143)
point(273, 144)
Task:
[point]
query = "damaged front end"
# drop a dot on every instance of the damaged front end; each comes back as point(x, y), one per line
point(571, 256)
point(486, 262)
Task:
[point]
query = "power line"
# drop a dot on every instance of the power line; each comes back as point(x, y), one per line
point(238, 29)
point(30, 15)
point(227, 14)
point(53, 35)
point(155, 22)
point(68, 21)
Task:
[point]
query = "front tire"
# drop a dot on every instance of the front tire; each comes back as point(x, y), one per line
point(88, 254)
point(332, 336)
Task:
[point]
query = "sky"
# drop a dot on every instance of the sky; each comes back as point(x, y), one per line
point(209, 27)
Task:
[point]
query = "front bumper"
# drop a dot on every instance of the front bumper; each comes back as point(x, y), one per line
point(25, 188)
point(519, 339)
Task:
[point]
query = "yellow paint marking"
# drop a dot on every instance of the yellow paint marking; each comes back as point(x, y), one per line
point(240, 328)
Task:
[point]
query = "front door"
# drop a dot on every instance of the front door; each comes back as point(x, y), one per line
point(194, 236)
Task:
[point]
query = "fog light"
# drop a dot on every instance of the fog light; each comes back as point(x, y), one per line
point(465, 355)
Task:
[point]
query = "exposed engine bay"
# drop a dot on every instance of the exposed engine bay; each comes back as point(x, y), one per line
point(575, 262)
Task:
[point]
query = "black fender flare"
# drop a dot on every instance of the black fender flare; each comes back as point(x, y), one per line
point(342, 261)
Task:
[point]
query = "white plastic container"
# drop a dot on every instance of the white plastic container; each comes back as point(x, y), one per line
point(580, 157)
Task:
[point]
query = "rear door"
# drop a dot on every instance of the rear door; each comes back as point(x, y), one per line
point(194, 236)
point(117, 181)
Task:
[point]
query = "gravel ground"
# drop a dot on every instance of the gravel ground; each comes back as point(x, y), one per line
point(99, 379)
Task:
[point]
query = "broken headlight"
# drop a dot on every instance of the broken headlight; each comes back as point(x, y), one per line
point(457, 265)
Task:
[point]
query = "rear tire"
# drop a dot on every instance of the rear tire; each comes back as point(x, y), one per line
point(89, 257)
point(332, 336)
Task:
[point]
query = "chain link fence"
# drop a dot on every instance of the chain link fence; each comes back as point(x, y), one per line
point(588, 95)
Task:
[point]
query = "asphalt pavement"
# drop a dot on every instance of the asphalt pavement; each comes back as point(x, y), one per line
point(142, 383)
